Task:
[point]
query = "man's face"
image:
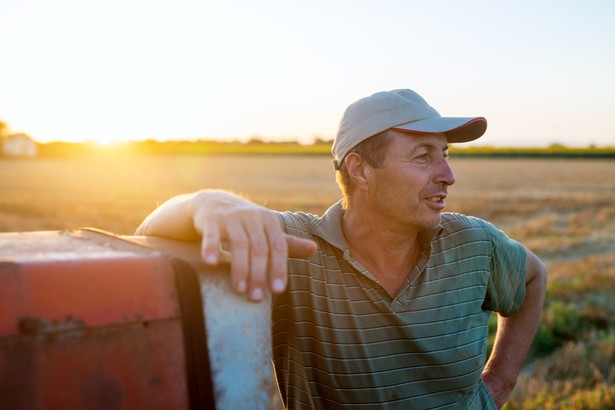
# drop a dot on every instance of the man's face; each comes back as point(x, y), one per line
point(409, 189)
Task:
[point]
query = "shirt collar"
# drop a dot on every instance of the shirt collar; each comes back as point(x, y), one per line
point(329, 226)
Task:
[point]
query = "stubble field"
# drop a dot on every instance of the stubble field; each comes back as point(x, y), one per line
point(563, 210)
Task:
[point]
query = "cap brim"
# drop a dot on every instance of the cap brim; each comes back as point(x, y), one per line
point(457, 129)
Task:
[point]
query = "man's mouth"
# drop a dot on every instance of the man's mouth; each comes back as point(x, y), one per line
point(436, 201)
point(435, 198)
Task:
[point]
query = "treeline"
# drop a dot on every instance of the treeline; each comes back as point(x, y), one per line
point(552, 151)
point(200, 147)
point(319, 147)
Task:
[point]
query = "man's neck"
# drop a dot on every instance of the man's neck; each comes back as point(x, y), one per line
point(388, 254)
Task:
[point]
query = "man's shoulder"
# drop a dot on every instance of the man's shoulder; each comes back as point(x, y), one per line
point(295, 222)
point(464, 227)
point(297, 217)
point(452, 220)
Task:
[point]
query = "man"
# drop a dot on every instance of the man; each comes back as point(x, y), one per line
point(391, 310)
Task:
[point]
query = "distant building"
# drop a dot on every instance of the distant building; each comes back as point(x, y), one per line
point(19, 145)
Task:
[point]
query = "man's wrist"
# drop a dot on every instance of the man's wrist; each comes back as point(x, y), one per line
point(499, 387)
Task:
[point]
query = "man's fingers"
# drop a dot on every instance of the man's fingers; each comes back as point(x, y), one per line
point(300, 247)
point(239, 243)
point(282, 247)
point(278, 258)
point(259, 259)
point(259, 250)
point(210, 245)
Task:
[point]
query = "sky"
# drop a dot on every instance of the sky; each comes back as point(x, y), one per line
point(541, 72)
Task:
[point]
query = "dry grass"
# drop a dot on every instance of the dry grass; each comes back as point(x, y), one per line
point(580, 375)
point(564, 210)
point(527, 198)
point(558, 208)
point(115, 194)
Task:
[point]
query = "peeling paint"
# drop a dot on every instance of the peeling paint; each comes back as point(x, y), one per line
point(29, 325)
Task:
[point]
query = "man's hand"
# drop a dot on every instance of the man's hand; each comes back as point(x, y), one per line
point(500, 392)
point(258, 246)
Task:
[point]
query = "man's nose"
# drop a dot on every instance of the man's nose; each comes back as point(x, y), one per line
point(445, 173)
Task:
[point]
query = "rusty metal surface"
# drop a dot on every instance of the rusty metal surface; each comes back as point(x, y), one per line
point(127, 367)
point(95, 291)
point(90, 320)
point(65, 245)
point(238, 331)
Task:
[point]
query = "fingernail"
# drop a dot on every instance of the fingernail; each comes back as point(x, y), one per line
point(257, 294)
point(278, 285)
point(210, 259)
point(242, 286)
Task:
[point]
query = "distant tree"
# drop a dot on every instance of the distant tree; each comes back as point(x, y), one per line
point(320, 140)
point(256, 140)
point(4, 129)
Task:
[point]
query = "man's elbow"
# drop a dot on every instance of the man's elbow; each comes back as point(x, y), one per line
point(536, 273)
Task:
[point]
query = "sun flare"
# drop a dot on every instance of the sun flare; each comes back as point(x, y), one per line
point(105, 142)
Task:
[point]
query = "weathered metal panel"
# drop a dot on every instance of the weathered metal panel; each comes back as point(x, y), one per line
point(134, 366)
point(91, 320)
point(84, 324)
point(92, 292)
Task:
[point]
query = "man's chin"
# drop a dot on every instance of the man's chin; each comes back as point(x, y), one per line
point(437, 221)
point(431, 223)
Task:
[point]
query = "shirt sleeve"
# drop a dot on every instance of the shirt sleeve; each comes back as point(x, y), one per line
point(506, 287)
point(295, 223)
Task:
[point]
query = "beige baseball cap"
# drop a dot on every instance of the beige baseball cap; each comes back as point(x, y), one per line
point(402, 110)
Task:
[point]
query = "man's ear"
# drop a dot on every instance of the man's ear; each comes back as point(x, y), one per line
point(358, 170)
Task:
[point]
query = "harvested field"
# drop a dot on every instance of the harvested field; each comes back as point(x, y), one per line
point(562, 209)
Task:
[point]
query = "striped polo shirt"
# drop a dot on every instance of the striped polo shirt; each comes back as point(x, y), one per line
point(340, 340)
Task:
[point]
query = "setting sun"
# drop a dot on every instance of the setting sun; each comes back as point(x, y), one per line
point(109, 71)
point(104, 141)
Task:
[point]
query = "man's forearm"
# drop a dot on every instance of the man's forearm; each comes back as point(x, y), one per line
point(172, 219)
point(515, 335)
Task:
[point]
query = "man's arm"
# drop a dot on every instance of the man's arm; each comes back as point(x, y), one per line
point(259, 247)
point(515, 334)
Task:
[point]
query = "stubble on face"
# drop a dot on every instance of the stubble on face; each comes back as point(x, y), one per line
point(409, 190)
